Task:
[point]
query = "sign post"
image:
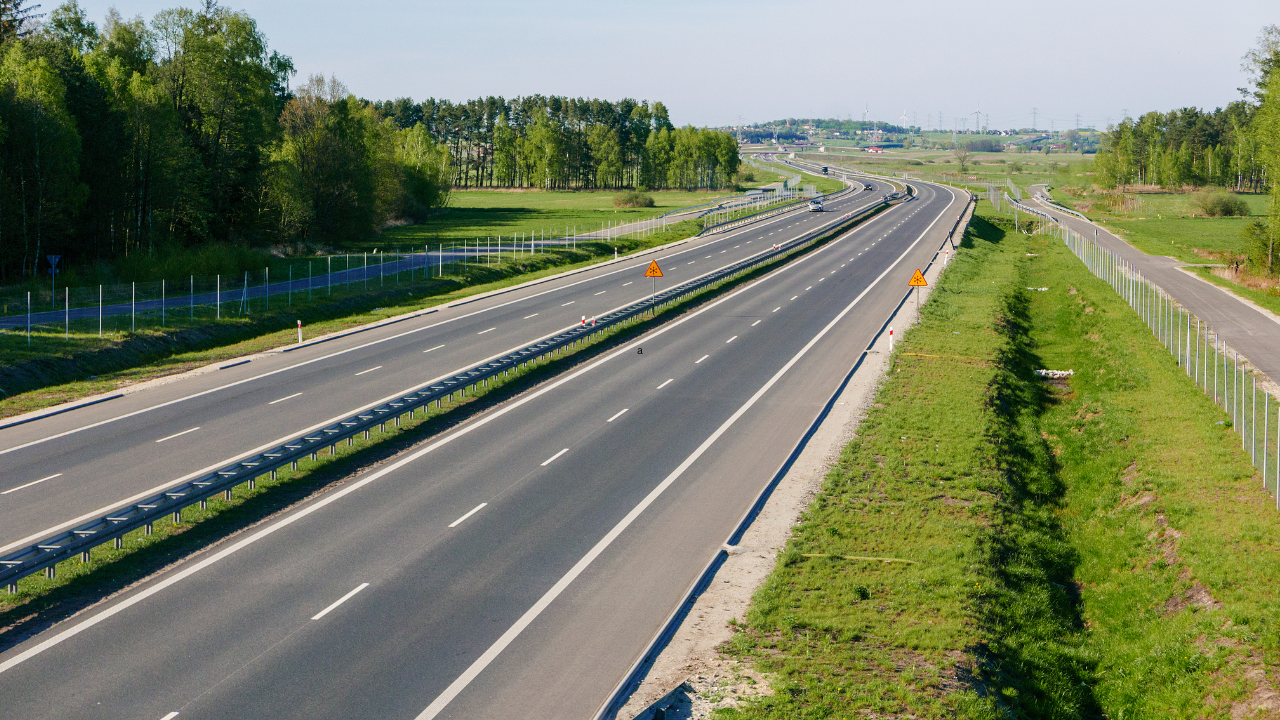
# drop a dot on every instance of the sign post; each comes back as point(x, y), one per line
point(653, 272)
point(917, 282)
point(53, 278)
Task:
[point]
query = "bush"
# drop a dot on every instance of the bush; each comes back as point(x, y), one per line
point(632, 199)
point(1256, 240)
point(1219, 204)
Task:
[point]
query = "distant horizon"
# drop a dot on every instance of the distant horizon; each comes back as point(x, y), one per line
point(721, 64)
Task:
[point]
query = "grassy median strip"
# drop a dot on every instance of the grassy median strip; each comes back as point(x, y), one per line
point(1097, 546)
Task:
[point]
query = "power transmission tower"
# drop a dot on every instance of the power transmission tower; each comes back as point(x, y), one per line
point(1033, 118)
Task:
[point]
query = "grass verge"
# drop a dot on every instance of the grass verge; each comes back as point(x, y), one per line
point(1097, 547)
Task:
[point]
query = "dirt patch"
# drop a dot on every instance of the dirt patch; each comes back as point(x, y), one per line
point(1195, 596)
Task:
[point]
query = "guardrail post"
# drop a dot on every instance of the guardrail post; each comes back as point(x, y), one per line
point(177, 517)
point(84, 556)
point(119, 544)
point(51, 572)
point(148, 529)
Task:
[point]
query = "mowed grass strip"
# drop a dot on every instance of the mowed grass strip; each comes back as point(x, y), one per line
point(1091, 547)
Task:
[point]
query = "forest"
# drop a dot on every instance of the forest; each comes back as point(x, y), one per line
point(185, 133)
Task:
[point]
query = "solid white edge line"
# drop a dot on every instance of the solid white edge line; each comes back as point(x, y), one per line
point(339, 601)
point(287, 397)
point(458, 685)
point(553, 457)
point(37, 482)
point(473, 511)
point(615, 417)
point(184, 432)
point(379, 367)
point(336, 495)
point(668, 382)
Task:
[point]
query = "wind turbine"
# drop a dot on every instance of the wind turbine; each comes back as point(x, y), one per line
point(904, 117)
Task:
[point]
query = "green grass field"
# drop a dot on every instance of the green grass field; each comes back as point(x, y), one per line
point(1217, 238)
point(1097, 547)
point(491, 213)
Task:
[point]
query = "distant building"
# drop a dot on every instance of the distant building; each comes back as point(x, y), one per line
point(874, 150)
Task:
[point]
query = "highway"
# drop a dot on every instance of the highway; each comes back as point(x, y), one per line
point(515, 566)
point(1252, 333)
point(67, 468)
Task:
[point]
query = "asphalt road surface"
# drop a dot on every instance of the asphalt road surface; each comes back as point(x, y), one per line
point(68, 468)
point(519, 564)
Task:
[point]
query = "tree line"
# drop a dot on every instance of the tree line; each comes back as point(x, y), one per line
point(144, 137)
point(559, 143)
point(1237, 147)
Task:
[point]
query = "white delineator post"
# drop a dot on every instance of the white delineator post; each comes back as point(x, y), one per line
point(890, 338)
point(299, 331)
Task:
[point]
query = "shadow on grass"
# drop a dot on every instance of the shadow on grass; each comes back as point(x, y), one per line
point(1031, 615)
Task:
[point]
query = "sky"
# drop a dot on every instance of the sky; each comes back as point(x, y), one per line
point(717, 63)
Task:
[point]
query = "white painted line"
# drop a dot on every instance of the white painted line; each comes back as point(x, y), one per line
point(287, 397)
point(821, 279)
point(473, 671)
point(735, 247)
point(170, 716)
point(617, 415)
point(341, 600)
point(808, 288)
point(526, 317)
point(602, 292)
point(779, 307)
point(184, 432)
point(793, 297)
point(668, 382)
point(369, 370)
point(627, 283)
point(755, 323)
point(37, 482)
point(569, 303)
point(707, 257)
point(485, 331)
point(691, 262)
point(704, 357)
point(434, 348)
point(474, 510)
point(735, 337)
point(553, 457)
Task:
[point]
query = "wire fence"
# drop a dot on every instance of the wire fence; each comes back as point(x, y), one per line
point(1220, 373)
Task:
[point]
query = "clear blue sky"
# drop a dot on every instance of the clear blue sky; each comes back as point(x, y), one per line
point(712, 61)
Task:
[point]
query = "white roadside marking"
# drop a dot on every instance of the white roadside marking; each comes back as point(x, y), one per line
point(793, 297)
point(170, 716)
point(341, 600)
point(553, 457)
point(735, 337)
point(184, 432)
point(617, 415)
point(779, 307)
point(526, 317)
point(434, 348)
point(808, 288)
point(474, 510)
point(286, 397)
point(457, 686)
point(704, 357)
point(602, 292)
point(485, 331)
point(569, 303)
point(36, 482)
point(668, 382)
point(755, 323)
point(379, 367)
point(627, 283)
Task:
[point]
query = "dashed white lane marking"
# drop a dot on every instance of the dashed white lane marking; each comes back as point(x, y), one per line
point(184, 432)
point(327, 610)
point(793, 297)
point(485, 331)
point(440, 346)
point(36, 482)
point(286, 397)
point(553, 457)
point(526, 317)
point(735, 337)
point(755, 323)
point(808, 288)
point(617, 415)
point(170, 716)
point(779, 307)
point(627, 283)
point(668, 382)
point(569, 303)
point(379, 367)
point(691, 262)
point(479, 507)
point(704, 357)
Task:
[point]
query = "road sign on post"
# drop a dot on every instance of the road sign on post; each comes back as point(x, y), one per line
point(917, 282)
point(654, 272)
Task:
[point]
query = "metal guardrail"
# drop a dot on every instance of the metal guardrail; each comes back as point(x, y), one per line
point(1060, 208)
point(747, 219)
point(47, 553)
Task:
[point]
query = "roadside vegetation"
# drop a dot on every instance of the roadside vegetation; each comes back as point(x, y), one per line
point(997, 545)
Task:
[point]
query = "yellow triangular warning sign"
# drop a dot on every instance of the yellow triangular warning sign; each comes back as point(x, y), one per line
point(917, 280)
point(654, 270)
